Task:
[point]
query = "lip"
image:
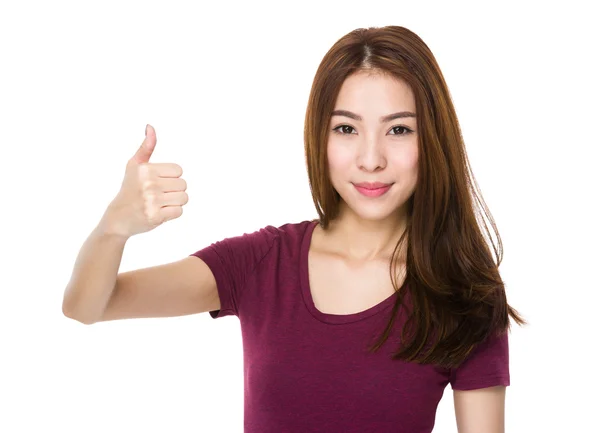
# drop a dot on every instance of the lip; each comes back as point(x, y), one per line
point(373, 192)
point(372, 185)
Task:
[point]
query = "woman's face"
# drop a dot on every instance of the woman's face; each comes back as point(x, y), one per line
point(363, 148)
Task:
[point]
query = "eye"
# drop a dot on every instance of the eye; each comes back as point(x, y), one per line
point(395, 128)
point(342, 126)
point(408, 131)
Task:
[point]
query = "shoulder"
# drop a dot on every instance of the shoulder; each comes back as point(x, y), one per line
point(294, 230)
point(290, 237)
point(264, 238)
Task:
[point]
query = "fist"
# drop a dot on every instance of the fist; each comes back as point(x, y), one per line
point(151, 193)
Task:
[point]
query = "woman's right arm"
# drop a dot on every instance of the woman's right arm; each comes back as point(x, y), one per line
point(151, 194)
point(96, 292)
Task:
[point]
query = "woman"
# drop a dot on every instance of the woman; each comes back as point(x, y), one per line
point(357, 320)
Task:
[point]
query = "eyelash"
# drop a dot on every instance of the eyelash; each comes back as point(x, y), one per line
point(409, 131)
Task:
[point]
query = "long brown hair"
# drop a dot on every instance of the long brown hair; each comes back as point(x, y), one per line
point(456, 292)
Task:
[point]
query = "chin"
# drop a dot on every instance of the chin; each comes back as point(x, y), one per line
point(371, 212)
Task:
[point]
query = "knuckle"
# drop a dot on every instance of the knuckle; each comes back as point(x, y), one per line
point(143, 169)
point(149, 201)
point(148, 184)
point(147, 210)
point(146, 172)
point(151, 212)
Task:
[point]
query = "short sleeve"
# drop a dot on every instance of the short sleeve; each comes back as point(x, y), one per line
point(232, 260)
point(487, 365)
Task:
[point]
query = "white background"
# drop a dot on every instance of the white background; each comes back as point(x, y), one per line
point(226, 88)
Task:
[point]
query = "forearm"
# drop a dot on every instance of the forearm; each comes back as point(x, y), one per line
point(94, 273)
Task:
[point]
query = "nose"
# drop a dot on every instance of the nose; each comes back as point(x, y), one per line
point(371, 156)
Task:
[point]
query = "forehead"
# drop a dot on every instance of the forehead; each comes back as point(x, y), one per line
point(375, 91)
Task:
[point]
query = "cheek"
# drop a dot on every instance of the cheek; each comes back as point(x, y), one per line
point(338, 158)
point(408, 160)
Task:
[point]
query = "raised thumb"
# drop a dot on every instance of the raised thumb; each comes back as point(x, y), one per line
point(145, 150)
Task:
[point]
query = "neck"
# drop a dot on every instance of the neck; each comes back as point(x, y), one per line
point(361, 240)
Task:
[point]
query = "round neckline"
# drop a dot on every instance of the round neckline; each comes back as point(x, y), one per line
point(307, 295)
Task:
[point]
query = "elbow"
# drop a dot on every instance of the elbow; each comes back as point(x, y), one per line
point(68, 312)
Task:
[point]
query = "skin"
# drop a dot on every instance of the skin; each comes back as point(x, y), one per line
point(367, 228)
point(364, 235)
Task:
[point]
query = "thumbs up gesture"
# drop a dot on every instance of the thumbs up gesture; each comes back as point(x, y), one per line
point(151, 193)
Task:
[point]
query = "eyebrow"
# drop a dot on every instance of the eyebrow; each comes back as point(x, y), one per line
point(351, 115)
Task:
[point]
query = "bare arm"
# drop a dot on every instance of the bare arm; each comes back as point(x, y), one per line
point(151, 193)
point(480, 410)
point(96, 292)
point(94, 274)
point(184, 287)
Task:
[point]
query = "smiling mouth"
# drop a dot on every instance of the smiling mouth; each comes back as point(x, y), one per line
point(372, 185)
point(373, 192)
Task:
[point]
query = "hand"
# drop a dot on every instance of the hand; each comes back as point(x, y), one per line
point(151, 193)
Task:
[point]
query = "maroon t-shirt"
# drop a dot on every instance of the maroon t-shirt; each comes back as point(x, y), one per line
point(309, 371)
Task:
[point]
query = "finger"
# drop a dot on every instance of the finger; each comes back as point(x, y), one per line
point(168, 184)
point(177, 198)
point(144, 152)
point(167, 169)
point(171, 212)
